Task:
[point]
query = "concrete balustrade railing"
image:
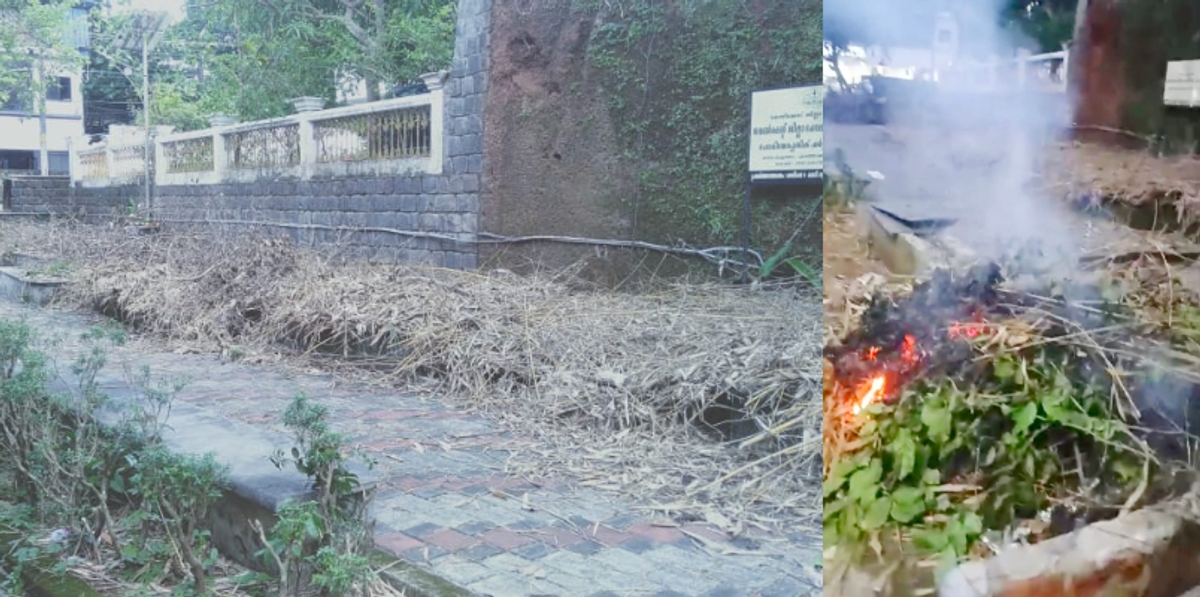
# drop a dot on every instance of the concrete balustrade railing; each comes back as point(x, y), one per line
point(389, 137)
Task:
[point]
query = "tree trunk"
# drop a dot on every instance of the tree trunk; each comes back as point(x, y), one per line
point(372, 89)
point(1096, 76)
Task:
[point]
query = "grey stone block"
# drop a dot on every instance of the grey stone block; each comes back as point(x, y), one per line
point(409, 184)
point(405, 221)
point(408, 203)
point(459, 165)
point(429, 222)
point(468, 260)
point(429, 184)
point(456, 107)
point(468, 203)
point(475, 164)
point(385, 203)
point(445, 203)
point(470, 183)
point(472, 143)
point(474, 105)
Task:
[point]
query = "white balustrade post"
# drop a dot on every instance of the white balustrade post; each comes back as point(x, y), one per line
point(160, 163)
point(110, 163)
point(308, 145)
point(220, 156)
point(435, 83)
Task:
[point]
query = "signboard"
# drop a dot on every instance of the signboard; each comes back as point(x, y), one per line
point(1183, 84)
point(786, 136)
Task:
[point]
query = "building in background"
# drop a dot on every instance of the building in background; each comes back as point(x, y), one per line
point(21, 148)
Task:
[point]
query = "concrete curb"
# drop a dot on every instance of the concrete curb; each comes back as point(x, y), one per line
point(1147, 553)
point(905, 252)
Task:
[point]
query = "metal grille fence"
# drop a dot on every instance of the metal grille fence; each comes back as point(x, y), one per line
point(394, 134)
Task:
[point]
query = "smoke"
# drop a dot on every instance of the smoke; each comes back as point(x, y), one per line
point(956, 148)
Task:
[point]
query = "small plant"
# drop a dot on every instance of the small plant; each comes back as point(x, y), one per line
point(321, 543)
point(179, 490)
point(75, 474)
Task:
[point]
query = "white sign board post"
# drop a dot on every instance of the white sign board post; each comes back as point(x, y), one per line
point(1182, 86)
point(786, 138)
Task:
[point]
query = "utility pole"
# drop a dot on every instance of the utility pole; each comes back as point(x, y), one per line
point(39, 90)
point(146, 118)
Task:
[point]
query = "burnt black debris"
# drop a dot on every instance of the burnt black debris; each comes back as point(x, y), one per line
point(912, 336)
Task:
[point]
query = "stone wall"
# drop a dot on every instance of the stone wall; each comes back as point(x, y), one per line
point(312, 211)
point(443, 207)
point(37, 194)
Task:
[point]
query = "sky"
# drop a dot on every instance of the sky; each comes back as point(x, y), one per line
point(175, 8)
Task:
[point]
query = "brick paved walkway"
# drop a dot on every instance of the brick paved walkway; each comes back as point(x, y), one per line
point(445, 503)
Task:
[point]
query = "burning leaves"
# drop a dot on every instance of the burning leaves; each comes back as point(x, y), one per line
point(987, 407)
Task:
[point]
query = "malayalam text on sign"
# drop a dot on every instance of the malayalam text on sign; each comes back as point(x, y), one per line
point(786, 138)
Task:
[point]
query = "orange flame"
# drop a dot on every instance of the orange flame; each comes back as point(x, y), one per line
point(874, 392)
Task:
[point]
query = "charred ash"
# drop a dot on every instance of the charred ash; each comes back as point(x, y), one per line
point(920, 334)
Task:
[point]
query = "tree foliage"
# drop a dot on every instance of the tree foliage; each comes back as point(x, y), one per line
point(680, 75)
point(34, 34)
point(254, 56)
point(1046, 23)
point(247, 59)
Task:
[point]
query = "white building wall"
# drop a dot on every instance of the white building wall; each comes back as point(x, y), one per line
point(64, 121)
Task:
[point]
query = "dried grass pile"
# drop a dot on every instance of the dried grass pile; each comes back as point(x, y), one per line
point(1131, 177)
point(619, 382)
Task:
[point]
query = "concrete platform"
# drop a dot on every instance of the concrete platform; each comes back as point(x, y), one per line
point(16, 284)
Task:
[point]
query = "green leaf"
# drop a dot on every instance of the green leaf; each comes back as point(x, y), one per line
point(908, 503)
point(932, 477)
point(1004, 369)
point(904, 449)
point(864, 483)
point(877, 514)
point(1024, 417)
point(938, 420)
point(838, 475)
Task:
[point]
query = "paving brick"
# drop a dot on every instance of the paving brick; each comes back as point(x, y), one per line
point(475, 529)
point(462, 571)
point(785, 587)
point(586, 547)
point(450, 540)
point(534, 551)
point(605, 535)
point(397, 543)
point(505, 539)
point(422, 531)
point(559, 537)
point(480, 552)
point(656, 534)
point(638, 545)
point(423, 555)
point(623, 521)
point(509, 584)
